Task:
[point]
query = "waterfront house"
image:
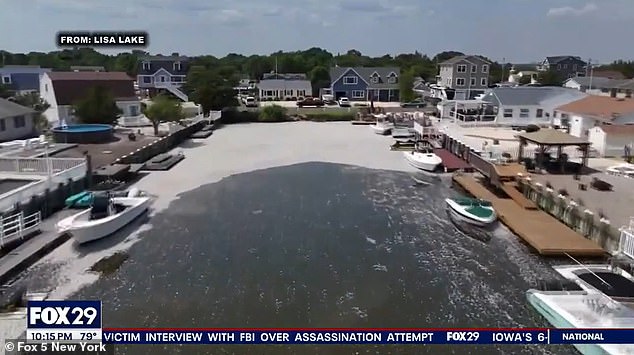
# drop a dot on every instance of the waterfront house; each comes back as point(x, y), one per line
point(163, 74)
point(597, 85)
point(284, 89)
point(16, 121)
point(365, 83)
point(62, 90)
point(567, 66)
point(22, 79)
point(524, 105)
point(594, 111)
point(466, 75)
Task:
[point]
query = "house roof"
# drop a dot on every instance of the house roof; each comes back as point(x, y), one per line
point(610, 74)
point(559, 58)
point(281, 84)
point(597, 82)
point(533, 96)
point(624, 129)
point(552, 137)
point(11, 109)
point(366, 73)
point(70, 87)
point(87, 68)
point(456, 59)
point(602, 107)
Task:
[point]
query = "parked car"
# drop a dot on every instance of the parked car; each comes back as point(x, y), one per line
point(250, 102)
point(310, 101)
point(414, 104)
point(344, 102)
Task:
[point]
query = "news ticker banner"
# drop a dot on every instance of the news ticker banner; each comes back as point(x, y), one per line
point(102, 39)
point(81, 321)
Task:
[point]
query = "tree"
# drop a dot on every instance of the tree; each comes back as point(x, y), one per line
point(34, 101)
point(98, 107)
point(406, 86)
point(4, 92)
point(212, 90)
point(550, 78)
point(163, 109)
point(319, 78)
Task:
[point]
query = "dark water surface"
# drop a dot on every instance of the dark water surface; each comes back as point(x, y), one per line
point(320, 245)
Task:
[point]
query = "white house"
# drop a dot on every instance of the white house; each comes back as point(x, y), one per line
point(524, 105)
point(612, 140)
point(62, 90)
point(282, 89)
point(593, 110)
point(16, 121)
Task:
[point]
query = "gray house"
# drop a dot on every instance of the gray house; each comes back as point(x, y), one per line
point(467, 75)
point(365, 83)
point(566, 66)
point(281, 89)
point(159, 73)
point(16, 121)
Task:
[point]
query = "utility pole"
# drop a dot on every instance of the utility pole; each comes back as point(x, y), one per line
point(591, 73)
point(503, 67)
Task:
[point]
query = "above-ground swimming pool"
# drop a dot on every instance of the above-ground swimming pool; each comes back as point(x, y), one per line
point(83, 133)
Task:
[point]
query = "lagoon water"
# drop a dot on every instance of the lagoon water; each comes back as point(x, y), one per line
point(317, 245)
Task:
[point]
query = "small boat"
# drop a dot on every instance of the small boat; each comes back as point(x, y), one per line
point(424, 160)
point(382, 128)
point(106, 215)
point(472, 210)
point(83, 199)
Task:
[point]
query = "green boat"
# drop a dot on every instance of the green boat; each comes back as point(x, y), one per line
point(80, 200)
point(472, 210)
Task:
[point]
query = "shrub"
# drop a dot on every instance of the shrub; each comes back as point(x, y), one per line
point(230, 116)
point(532, 128)
point(273, 113)
point(330, 116)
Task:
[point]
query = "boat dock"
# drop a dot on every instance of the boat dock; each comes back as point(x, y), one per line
point(538, 229)
point(451, 162)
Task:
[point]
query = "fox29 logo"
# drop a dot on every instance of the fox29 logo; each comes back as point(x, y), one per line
point(64, 314)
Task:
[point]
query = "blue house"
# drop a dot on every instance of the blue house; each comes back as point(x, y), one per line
point(365, 83)
point(22, 79)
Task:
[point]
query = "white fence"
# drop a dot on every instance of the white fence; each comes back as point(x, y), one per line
point(134, 121)
point(38, 166)
point(627, 240)
point(17, 226)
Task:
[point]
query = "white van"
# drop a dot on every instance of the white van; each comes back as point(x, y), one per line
point(250, 102)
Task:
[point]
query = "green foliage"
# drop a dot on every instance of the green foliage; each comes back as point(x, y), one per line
point(97, 107)
point(273, 113)
point(330, 116)
point(319, 78)
point(622, 66)
point(163, 109)
point(231, 115)
point(5, 92)
point(550, 78)
point(406, 86)
point(211, 89)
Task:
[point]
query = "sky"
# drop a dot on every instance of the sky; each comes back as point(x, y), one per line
point(519, 31)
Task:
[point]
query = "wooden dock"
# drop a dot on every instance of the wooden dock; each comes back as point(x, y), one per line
point(541, 231)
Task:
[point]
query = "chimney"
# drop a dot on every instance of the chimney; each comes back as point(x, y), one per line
point(175, 54)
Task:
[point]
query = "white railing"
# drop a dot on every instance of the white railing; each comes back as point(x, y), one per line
point(173, 88)
point(627, 240)
point(10, 199)
point(17, 226)
point(38, 166)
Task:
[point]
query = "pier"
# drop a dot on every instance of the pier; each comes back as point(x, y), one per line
point(538, 229)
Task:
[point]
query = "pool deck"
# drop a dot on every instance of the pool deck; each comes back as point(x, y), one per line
point(541, 231)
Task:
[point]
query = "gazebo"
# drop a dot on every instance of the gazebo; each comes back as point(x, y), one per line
point(546, 138)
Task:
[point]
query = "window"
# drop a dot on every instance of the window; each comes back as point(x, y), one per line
point(147, 79)
point(558, 66)
point(375, 78)
point(524, 113)
point(6, 79)
point(46, 87)
point(19, 121)
point(508, 112)
point(134, 110)
point(177, 66)
point(472, 82)
point(177, 79)
point(146, 66)
point(485, 68)
point(462, 68)
point(574, 67)
point(540, 113)
point(163, 78)
point(350, 80)
point(459, 81)
point(391, 80)
point(358, 94)
point(3, 125)
point(484, 82)
point(448, 81)
point(474, 68)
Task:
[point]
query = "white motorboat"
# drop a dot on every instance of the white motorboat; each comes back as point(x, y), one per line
point(471, 210)
point(107, 215)
point(424, 160)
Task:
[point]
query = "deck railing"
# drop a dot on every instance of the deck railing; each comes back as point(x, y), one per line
point(627, 239)
point(38, 166)
point(18, 226)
